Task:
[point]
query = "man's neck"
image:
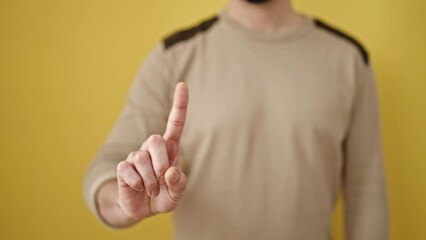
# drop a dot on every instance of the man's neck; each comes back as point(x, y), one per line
point(272, 16)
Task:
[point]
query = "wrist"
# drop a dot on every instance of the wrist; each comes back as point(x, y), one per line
point(109, 209)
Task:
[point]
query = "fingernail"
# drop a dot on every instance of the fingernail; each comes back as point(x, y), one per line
point(155, 192)
point(174, 176)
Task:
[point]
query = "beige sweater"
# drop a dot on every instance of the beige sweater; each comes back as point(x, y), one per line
point(276, 124)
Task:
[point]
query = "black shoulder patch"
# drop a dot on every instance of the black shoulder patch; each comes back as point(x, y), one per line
point(186, 34)
point(345, 36)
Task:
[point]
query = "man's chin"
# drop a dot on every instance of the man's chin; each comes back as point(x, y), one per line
point(257, 1)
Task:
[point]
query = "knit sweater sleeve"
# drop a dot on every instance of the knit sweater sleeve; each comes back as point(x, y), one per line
point(365, 194)
point(145, 113)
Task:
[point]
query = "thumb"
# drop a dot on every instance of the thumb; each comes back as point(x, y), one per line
point(176, 182)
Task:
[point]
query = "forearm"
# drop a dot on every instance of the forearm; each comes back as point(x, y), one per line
point(365, 193)
point(109, 209)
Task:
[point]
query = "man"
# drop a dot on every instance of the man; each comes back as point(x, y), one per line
point(282, 112)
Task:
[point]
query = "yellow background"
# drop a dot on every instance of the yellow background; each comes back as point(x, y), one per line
point(66, 66)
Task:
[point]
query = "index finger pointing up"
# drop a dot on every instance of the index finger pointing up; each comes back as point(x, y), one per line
point(177, 115)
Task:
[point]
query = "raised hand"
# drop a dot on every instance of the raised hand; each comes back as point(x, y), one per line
point(150, 180)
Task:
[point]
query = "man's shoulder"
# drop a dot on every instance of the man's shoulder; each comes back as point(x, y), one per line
point(338, 35)
point(188, 33)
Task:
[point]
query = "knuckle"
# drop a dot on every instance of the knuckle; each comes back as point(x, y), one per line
point(176, 123)
point(155, 139)
point(130, 155)
point(141, 159)
point(144, 154)
point(121, 167)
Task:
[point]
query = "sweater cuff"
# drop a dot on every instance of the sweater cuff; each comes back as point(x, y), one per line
point(92, 188)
